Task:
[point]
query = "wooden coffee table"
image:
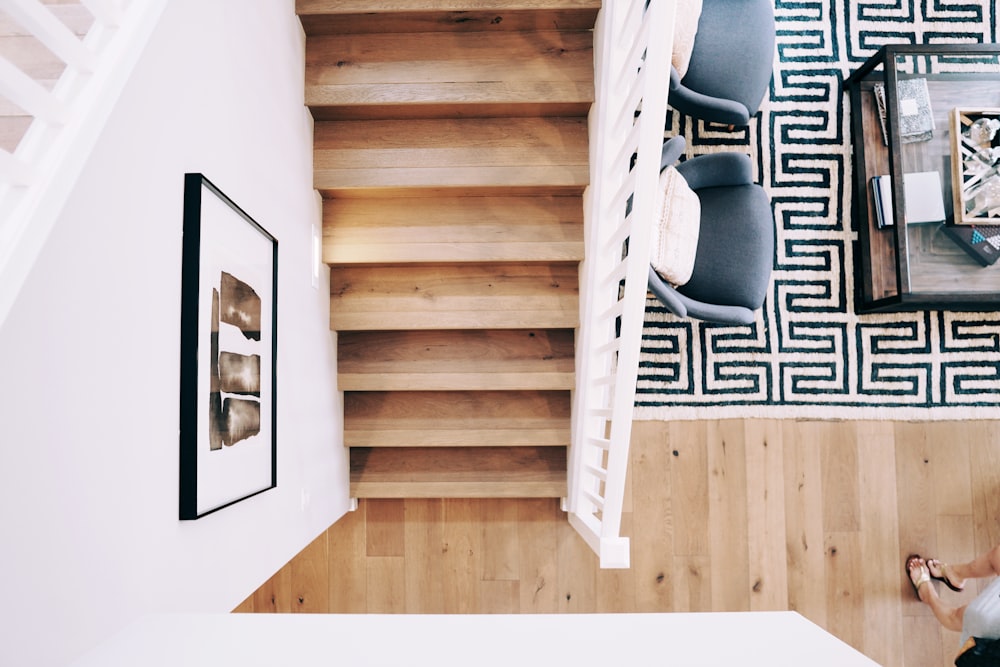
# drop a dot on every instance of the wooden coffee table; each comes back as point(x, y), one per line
point(907, 265)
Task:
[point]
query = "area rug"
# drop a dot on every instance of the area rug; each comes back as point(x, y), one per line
point(809, 355)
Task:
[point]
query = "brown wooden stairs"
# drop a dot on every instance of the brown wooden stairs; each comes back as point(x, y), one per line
point(451, 153)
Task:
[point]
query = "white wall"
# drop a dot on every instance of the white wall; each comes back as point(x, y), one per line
point(89, 354)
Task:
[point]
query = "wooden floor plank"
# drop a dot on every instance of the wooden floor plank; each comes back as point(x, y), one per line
point(462, 555)
point(386, 584)
point(538, 539)
point(727, 508)
point(501, 548)
point(348, 563)
point(275, 595)
point(653, 515)
point(424, 570)
point(883, 630)
point(845, 593)
point(765, 481)
point(310, 578)
point(686, 442)
point(384, 522)
point(804, 519)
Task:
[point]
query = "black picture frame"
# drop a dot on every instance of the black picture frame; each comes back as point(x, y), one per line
point(229, 326)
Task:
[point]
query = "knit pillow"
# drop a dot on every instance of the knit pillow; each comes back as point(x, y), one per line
point(685, 28)
point(677, 223)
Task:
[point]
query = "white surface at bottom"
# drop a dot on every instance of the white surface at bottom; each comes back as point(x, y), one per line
point(306, 640)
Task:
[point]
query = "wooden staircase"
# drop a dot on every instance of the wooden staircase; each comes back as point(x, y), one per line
point(451, 152)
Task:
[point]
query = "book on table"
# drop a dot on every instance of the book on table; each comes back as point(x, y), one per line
point(922, 192)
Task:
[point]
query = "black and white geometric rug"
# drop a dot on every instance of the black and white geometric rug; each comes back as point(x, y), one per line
point(809, 355)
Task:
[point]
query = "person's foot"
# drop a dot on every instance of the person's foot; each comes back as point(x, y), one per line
point(945, 573)
point(918, 573)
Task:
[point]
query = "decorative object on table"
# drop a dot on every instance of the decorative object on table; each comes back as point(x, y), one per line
point(879, 92)
point(916, 120)
point(228, 344)
point(922, 193)
point(975, 152)
point(982, 242)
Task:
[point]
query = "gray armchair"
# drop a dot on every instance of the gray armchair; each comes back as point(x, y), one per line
point(732, 267)
point(731, 62)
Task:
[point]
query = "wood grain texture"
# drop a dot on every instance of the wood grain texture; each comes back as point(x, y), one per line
point(454, 296)
point(477, 472)
point(381, 16)
point(847, 580)
point(448, 74)
point(452, 229)
point(456, 360)
point(456, 418)
point(453, 153)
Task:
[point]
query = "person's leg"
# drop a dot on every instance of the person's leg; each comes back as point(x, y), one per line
point(986, 565)
point(949, 617)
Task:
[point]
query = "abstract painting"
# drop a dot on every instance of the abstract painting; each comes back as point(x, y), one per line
point(228, 343)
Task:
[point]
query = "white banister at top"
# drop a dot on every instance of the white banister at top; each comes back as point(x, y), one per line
point(632, 44)
point(65, 121)
point(53, 33)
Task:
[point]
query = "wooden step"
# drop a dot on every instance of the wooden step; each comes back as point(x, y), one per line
point(509, 155)
point(449, 472)
point(382, 16)
point(452, 229)
point(454, 296)
point(457, 419)
point(411, 75)
point(455, 360)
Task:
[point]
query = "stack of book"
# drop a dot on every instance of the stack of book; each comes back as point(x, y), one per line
point(923, 195)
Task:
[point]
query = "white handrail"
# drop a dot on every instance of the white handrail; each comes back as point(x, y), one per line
point(38, 176)
point(633, 43)
point(50, 31)
point(30, 95)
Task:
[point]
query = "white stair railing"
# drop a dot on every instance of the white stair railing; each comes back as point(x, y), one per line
point(38, 176)
point(633, 42)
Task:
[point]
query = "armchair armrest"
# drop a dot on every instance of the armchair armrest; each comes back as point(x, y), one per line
point(683, 306)
point(717, 169)
point(706, 107)
point(671, 151)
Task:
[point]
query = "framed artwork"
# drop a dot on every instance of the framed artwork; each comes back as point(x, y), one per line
point(229, 281)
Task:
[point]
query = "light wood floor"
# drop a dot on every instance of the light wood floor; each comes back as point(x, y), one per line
point(815, 517)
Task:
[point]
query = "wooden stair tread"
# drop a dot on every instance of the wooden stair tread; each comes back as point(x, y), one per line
point(455, 360)
point(447, 418)
point(347, 75)
point(460, 229)
point(447, 472)
point(450, 153)
point(454, 296)
point(382, 16)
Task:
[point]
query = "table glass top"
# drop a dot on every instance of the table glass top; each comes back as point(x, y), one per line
point(945, 123)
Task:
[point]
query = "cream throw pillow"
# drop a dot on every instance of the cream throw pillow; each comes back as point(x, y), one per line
point(685, 28)
point(677, 222)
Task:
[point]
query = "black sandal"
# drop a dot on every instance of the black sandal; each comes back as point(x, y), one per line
point(944, 571)
point(925, 575)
